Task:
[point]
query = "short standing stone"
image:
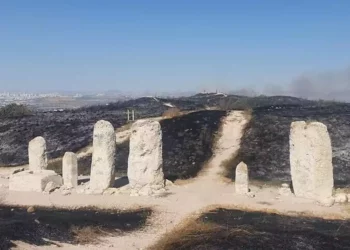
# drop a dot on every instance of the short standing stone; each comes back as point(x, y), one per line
point(145, 164)
point(242, 179)
point(103, 157)
point(37, 154)
point(311, 160)
point(70, 170)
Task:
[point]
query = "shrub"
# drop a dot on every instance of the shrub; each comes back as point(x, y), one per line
point(172, 112)
point(14, 110)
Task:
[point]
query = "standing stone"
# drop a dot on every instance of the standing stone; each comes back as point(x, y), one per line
point(70, 170)
point(145, 164)
point(242, 179)
point(37, 154)
point(103, 157)
point(311, 160)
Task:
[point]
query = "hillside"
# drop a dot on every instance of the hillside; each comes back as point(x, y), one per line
point(188, 139)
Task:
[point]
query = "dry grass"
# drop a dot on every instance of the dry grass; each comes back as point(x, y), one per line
point(172, 112)
point(193, 233)
point(186, 236)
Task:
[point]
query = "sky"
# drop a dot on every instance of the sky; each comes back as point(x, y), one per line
point(164, 46)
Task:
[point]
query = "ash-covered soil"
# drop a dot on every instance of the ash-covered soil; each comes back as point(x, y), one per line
point(80, 226)
point(187, 139)
point(71, 130)
point(265, 144)
point(187, 142)
point(229, 229)
point(187, 145)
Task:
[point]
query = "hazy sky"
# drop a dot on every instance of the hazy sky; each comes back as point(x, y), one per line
point(168, 45)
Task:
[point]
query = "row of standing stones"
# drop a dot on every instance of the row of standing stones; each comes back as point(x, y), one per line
point(145, 172)
point(310, 161)
point(311, 166)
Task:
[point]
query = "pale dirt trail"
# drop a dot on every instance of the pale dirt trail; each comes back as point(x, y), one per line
point(181, 202)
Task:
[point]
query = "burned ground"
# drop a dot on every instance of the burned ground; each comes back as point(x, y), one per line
point(265, 144)
point(70, 130)
point(187, 145)
point(187, 142)
point(66, 226)
point(229, 229)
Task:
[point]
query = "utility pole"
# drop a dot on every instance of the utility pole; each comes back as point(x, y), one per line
point(133, 115)
point(128, 115)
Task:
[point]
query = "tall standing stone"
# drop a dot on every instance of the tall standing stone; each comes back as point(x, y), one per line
point(70, 170)
point(103, 157)
point(311, 160)
point(242, 179)
point(37, 154)
point(145, 164)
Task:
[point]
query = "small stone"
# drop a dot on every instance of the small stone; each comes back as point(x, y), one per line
point(327, 202)
point(37, 221)
point(30, 210)
point(341, 198)
point(18, 170)
point(110, 191)
point(251, 195)
point(169, 183)
point(66, 192)
point(134, 193)
point(285, 185)
point(283, 191)
point(50, 187)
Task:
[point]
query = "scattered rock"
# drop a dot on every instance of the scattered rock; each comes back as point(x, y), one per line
point(285, 191)
point(251, 195)
point(326, 202)
point(110, 191)
point(66, 192)
point(169, 183)
point(30, 210)
point(51, 186)
point(18, 170)
point(341, 198)
point(285, 185)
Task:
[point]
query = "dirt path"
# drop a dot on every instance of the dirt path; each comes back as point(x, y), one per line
point(181, 201)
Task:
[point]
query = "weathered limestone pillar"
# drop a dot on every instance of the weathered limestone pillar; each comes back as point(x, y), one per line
point(103, 157)
point(242, 179)
point(311, 160)
point(145, 164)
point(70, 170)
point(37, 154)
